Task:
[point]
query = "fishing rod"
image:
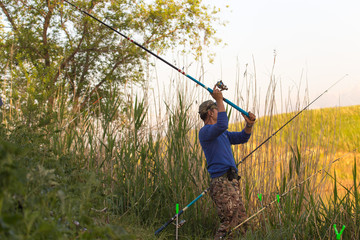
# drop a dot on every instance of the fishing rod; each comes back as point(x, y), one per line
point(291, 119)
point(160, 58)
point(180, 212)
point(281, 196)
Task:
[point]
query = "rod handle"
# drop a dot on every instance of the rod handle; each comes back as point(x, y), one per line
point(168, 222)
point(160, 229)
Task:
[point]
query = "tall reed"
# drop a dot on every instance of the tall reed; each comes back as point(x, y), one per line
point(149, 170)
point(139, 171)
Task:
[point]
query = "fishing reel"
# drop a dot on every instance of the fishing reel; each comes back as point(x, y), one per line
point(181, 223)
point(221, 85)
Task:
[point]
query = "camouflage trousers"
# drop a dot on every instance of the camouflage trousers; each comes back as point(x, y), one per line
point(230, 209)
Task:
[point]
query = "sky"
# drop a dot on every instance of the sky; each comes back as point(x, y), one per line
point(317, 39)
point(317, 42)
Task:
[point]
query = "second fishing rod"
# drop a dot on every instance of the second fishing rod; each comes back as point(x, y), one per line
point(247, 156)
point(285, 193)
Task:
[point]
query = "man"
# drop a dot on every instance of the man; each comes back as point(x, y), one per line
point(216, 143)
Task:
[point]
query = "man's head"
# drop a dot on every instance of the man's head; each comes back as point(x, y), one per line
point(205, 107)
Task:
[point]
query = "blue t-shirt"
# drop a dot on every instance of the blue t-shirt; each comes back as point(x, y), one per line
point(216, 143)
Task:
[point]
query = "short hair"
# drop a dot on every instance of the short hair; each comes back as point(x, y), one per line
point(205, 107)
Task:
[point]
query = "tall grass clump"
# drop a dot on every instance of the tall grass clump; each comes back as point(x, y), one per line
point(340, 209)
point(47, 196)
point(158, 168)
point(47, 189)
point(301, 149)
point(80, 173)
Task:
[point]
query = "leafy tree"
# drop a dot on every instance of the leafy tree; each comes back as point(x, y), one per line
point(50, 44)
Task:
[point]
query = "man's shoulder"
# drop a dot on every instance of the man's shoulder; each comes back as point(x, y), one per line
point(203, 129)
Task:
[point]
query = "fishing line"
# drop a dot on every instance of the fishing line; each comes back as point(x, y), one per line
point(284, 194)
point(306, 107)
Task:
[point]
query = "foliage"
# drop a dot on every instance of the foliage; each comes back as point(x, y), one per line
point(69, 174)
point(43, 196)
point(69, 182)
point(52, 45)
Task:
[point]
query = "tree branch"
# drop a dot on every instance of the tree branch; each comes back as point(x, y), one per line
point(68, 59)
point(116, 65)
point(85, 70)
point(8, 15)
point(44, 36)
point(164, 35)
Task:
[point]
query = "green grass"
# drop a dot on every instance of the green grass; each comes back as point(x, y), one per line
point(44, 196)
point(340, 123)
point(104, 174)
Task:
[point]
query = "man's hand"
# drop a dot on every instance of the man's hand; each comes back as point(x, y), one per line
point(251, 119)
point(217, 95)
point(249, 122)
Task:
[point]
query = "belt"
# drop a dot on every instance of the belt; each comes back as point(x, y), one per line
point(232, 174)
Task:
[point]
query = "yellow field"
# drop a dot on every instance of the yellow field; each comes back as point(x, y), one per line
point(321, 136)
